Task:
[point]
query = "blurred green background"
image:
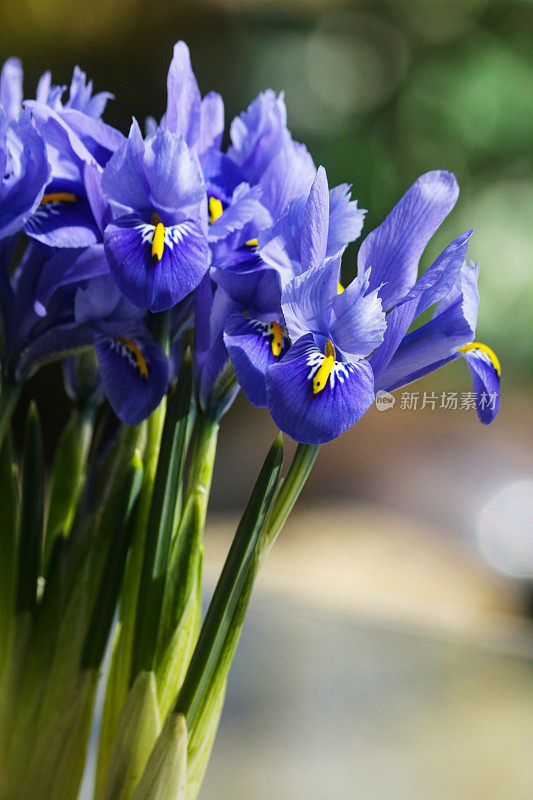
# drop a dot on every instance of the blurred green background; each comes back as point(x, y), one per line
point(419, 520)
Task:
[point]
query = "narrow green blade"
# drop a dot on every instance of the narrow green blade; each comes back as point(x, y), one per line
point(226, 596)
point(31, 517)
point(165, 495)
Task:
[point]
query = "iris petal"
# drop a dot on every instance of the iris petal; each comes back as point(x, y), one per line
point(249, 344)
point(134, 373)
point(316, 418)
point(155, 285)
point(485, 373)
point(393, 249)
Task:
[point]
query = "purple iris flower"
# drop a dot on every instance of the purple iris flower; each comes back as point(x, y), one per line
point(313, 229)
point(157, 245)
point(133, 366)
point(76, 139)
point(343, 348)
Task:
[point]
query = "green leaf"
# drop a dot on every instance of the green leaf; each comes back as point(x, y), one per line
point(118, 527)
point(68, 471)
point(9, 519)
point(118, 681)
point(165, 495)
point(9, 395)
point(31, 517)
point(165, 774)
point(218, 619)
point(137, 732)
point(203, 731)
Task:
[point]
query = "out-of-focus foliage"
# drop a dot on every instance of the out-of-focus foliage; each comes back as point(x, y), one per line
point(380, 91)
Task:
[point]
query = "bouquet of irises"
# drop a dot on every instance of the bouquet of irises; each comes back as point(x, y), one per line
point(167, 273)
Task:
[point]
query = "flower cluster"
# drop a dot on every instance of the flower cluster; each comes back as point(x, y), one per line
point(127, 244)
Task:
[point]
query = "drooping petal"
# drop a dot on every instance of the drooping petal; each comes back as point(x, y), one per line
point(149, 283)
point(134, 373)
point(316, 418)
point(393, 249)
point(307, 300)
point(64, 223)
point(435, 343)
point(253, 345)
point(358, 320)
point(485, 370)
point(434, 285)
point(315, 222)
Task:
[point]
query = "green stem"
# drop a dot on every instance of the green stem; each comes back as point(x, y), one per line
point(8, 400)
point(225, 598)
point(292, 485)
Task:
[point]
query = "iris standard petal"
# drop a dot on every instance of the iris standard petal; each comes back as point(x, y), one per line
point(244, 207)
point(357, 320)
point(308, 299)
point(211, 123)
point(259, 134)
point(315, 223)
point(183, 115)
point(316, 418)
point(123, 180)
point(253, 345)
point(288, 176)
point(65, 267)
point(155, 284)
point(11, 88)
point(393, 249)
point(345, 219)
point(134, 373)
point(174, 176)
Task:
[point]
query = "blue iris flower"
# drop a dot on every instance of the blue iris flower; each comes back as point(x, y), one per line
point(76, 140)
point(157, 245)
point(341, 346)
point(314, 229)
